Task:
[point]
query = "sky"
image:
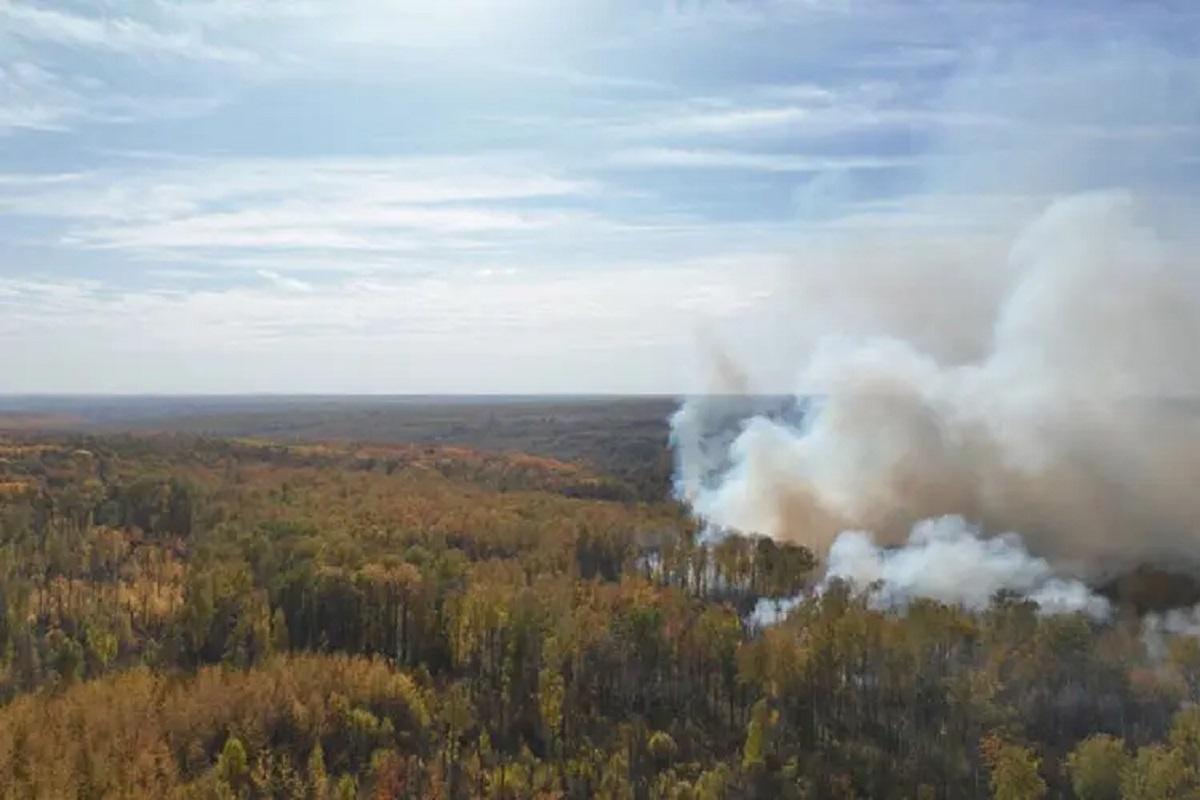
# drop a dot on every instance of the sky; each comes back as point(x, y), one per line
point(508, 196)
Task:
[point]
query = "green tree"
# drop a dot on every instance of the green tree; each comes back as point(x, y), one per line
point(662, 748)
point(346, 788)
point(757, 730)
point(316, 779)
point(280, 641)
point(1096, 766)
point(101, 649)
point(1014, 771)
point(233, 767)
point(1158, 773)
point(66, 656)
point(1185, 736)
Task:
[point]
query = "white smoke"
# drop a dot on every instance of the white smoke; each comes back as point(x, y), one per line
point(1179, 621)
point(770, 611)
point(1078, 426)
point(1156, 628)
point(1020, 351)
point(949, 560)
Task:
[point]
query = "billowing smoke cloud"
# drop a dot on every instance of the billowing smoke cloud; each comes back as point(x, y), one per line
point(1016, 347)
point(949, 560)
point(1078, 426)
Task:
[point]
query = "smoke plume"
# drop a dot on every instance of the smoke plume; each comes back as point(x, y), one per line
point(1020, 353)
point(947, 559)
point(1156, 628)
point(1078, 426)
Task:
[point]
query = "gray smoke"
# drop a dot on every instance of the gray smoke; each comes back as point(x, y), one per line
point(1078, 426)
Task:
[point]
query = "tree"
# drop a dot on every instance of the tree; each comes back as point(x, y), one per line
point(233, 766)
point(662, 748)
point(101, 649)
point(1096, 766)
point(280, 641)
point(66, 656)
point(1185, 736)
point(1184, 654)
point(1014, 771)
point(757, 731)
point(316, 778)
point(551, 689)
point(1158, 773)
point(346, 788)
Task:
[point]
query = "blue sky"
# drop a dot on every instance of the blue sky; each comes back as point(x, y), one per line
point(538, 196)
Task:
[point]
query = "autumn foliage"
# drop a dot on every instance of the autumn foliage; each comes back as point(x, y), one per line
point(195, 617)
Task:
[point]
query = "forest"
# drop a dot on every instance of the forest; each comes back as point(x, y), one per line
point(193, 616)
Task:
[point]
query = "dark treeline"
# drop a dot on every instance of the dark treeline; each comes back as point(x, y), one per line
point(215, 618)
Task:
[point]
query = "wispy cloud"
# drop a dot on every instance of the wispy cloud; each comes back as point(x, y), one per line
point(165, 186)
point(280, 335)
point(33, 98)
point(392, 204)
point(828, 115)
point(422, 183)
point(353, 226)
point(285, 282)
point(121, 34)
point(675, 157)
point(736, 120)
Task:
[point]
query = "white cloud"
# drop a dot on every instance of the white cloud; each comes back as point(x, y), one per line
point(161, 187)
point(616, 132)
point(285, 282)
point(118, 34)
point(737, 120)
point(34, 98)
point(362, 226)
point(335, 204)
point(426, 333)
point(755, 161)
point(785, 111)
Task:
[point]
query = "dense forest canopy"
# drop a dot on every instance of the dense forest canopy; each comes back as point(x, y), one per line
point(211, 617)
